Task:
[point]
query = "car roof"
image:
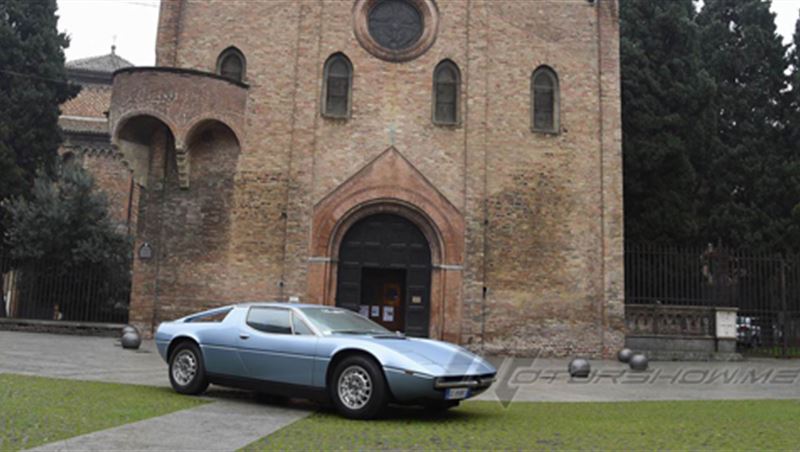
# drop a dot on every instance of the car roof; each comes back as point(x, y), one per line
point(279, 304)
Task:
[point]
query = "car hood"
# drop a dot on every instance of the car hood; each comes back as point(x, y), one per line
point(436, 357)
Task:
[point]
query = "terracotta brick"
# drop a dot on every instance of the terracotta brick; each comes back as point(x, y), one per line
point(532, 222)
point(92, 101)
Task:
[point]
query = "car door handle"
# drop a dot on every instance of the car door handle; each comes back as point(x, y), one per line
point(244, 336)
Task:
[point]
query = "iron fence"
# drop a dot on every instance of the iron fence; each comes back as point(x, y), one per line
point(764, 287)
point(50, 291)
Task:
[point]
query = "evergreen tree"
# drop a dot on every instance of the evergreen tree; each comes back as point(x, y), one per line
point(64, 222)
point(33, 84)
point(752, 179)
point(792, 134)
point(794, 66)
point(666, 119)
point(61, 236)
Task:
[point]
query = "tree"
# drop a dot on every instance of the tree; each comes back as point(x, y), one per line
point(63, 230)
point(64, 221)
point(752, 179)
point(791, 132)
point(666, 120)
point(33, 84)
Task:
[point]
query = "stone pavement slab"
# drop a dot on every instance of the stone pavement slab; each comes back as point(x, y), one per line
point(223, 425)
point(80, 358)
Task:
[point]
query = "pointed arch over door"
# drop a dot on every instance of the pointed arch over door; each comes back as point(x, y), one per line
point(384, 271)
point(390, 184)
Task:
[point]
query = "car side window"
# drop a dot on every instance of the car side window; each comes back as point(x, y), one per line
point(300, 327)
point(270, 320)
point(216, 316)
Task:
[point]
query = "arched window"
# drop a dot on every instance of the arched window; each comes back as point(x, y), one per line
point(337, 86)
point(231, 64)
point(545, 100)
point(446, 90)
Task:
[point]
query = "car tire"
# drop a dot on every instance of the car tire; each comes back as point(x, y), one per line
point(358, 388)
point(187, 373)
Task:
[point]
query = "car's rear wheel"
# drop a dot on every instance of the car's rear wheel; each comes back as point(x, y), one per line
point(358, 388)
point(187, 373)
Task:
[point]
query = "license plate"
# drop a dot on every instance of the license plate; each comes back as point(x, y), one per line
point(456, 393)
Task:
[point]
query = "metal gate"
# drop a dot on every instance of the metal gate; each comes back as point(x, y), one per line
point(764, 287)
point(48, 291)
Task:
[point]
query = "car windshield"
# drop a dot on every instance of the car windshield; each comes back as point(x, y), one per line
point(342, 321)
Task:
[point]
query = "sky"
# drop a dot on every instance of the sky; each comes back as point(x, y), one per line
point(95, 25)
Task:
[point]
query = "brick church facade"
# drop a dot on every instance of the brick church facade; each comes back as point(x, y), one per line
point(450, 168)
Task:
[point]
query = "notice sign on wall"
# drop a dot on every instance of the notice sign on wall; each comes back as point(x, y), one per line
point(375, 311)
point(364, 310)
point(726, 323)
point(388, 314)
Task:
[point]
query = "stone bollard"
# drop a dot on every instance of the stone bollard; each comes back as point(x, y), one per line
point(131, 340)
point(579, 368)
point(638, 362)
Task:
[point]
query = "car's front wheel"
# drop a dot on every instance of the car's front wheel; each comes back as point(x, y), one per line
point(358, 388)
point(187, 372)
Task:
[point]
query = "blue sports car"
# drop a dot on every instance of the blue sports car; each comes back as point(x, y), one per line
point(317, 352)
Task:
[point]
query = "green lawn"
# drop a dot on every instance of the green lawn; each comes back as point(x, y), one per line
point(35, 410)
point(754, 425)
point(772, 352)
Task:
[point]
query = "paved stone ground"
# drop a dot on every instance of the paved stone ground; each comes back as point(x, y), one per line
point(235, 419)
point(223, 425)
point(102, 359)
point(80, 358)
point(612, 381)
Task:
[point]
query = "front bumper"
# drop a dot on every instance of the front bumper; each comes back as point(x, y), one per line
point(476, 382)
point(411, 387)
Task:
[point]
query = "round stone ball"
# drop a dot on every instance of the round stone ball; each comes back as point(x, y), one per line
point(624, 355)
point(131, 340)
point(129, 329)
point(638, 362)
point(579, 368)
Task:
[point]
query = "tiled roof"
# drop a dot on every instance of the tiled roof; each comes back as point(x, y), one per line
point(93, 100)
point(83, 125)
point(104, 63)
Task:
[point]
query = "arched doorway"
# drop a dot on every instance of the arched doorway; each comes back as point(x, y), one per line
point(384, 272)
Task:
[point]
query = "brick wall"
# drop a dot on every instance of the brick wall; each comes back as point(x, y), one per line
point(85, 129)
point(543, 213)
